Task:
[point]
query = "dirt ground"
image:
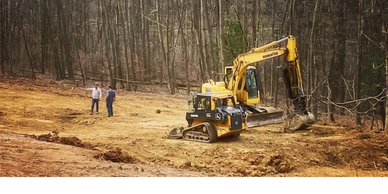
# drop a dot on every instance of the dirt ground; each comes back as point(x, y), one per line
point(46, 131)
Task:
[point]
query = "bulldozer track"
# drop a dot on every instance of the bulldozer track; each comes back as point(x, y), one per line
point(203, 132)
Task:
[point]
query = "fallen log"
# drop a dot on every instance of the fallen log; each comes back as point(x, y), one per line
point(181, 85)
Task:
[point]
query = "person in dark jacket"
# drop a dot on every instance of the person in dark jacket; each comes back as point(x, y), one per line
point(110, 98)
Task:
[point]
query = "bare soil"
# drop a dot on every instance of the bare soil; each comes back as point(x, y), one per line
point(46, 130)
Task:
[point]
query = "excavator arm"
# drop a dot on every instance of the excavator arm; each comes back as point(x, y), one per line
point(243, 61)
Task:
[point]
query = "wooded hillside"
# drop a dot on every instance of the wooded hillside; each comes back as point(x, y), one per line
point(343, 45)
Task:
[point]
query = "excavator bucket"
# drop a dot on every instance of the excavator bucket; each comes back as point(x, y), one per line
point(296, 122)
point(300, 118)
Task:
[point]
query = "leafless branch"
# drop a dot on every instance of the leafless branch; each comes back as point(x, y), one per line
point(347, 86)
point(380, 46)
point(152, 20)
point(318, 85)
point(351, 106)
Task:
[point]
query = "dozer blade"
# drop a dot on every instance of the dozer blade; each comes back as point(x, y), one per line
point(175, 133)
point(261, 119)
point(296, 122)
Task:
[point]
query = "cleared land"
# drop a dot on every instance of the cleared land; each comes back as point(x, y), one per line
point(46, 130)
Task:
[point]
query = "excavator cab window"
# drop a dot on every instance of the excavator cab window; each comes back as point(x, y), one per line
point(225, 102)
point(228, 73)
point(251, 85)
point(222, 102)
point(203, 103)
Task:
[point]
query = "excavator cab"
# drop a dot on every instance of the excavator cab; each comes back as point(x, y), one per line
point(251, 91)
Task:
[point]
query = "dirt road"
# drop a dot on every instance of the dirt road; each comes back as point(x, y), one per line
point(46, 130)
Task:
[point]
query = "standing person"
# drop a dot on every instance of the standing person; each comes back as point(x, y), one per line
point(96, 96)
point(110, 98)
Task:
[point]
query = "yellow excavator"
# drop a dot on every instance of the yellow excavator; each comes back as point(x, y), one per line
point(228, 107)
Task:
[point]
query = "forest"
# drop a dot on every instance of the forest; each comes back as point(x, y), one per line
point(180, 44)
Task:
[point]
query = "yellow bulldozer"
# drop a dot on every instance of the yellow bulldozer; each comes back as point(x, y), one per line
point(230, 106)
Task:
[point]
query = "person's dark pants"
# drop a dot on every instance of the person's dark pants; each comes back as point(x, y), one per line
point(94, 101)
point(110, 109)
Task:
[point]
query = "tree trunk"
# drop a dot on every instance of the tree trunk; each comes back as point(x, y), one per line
point(119, 64)
point(386, 83)
point(198, 29)
point(106, 28)
point(161, 41)
point(131, 39)
point(311, 59)
point(220, 39)
point(292, 15)
point(385, 123)
point(359, 58)
point(44, 34)
point(332, 87)
point(272, 71)
point(29, 54)
point(65, 40)
point(185, 48)
point(211, 55)
point(3, 22)
point(254, 24)
point(125, 43)
point(341, 51)
point(384, 16)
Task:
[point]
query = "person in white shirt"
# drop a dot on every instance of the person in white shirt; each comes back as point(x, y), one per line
point(96, 96)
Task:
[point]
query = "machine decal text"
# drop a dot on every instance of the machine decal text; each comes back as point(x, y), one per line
point(270, 55)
